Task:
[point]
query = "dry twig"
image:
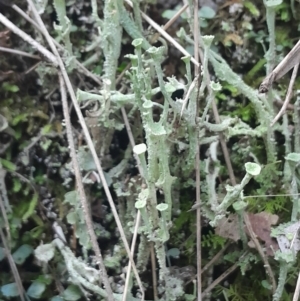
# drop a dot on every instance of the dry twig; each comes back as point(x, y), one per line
point(297, 289)
point(215, 258)
point(196, 34)
point(80, 66)
point(222, 277)
point(267, 266)
point(13, 266)
point(288, 96)
point(165, 35)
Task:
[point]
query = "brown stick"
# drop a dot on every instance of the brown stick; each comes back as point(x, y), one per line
point(222, 277)
point(288, 95)
point(290, 60)
point(263, 256)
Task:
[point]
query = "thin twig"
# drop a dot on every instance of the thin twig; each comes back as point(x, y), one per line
point(131, 139)
point(165, 34)
point(222, 277)
point(289, 61)
point(32, 68)
point(297, 289)
point(135, 233)
point(288, 96)
point(197, 158)
point(89, 142)
point(215, 258)
point(28, 39)
point(189, 91)
point(80, 66)
point(155, 37)
point(138, 218)
point(175, 17)
point(223, 142)
point(270, 195)
point(132, 142)
point(267, 266)
point(279, 104)
point(119, 78)
point(57, 60)
point(19, 52)
point(80, 186)
point(12, 266)
point(169, 23)
point(153, 267)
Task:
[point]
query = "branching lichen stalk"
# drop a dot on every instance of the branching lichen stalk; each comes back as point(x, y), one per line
point(263, 112)
point(284, 267)
point(130, 27)
point(111, 40)
point(296, 119)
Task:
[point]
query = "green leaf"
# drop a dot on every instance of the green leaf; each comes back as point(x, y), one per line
point(221, 96)
point(81, 234)
point(252, 8)
point(10, 88)
point(36, 289)
point(22, 253)
point(203, 24)
point(122, 66)
point(285, 16)
point(206, 12)
point(36, 232)
point(19, 118)
point(232, 89)
point(86, 160)
point(266, 284)
point(31, 207)
point(98, 70)
point(46, 129)
point(8, 165)
point(189, 297)
point(17, 185)
point(72, 217)
point(45, 144)
point(10, 290)
point(72, 198)
point(72, 293)
point(46, 278)
point(45, 252)
point(252, 74)
point(169, 13)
